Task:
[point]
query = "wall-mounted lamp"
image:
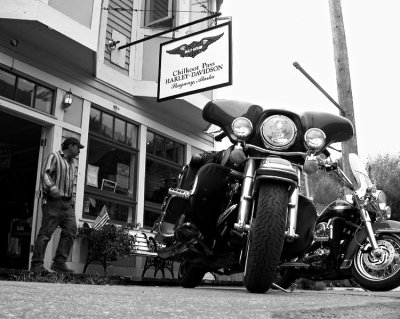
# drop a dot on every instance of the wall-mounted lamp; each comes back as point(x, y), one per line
point(68, 99)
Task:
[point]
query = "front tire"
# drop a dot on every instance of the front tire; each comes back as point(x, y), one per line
point(266, 237)
point(379, 273)
point(189, 275)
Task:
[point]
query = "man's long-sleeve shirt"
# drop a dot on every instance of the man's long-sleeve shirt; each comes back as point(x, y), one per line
point(58, 172)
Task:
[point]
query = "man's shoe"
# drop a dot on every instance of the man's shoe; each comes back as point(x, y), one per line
point(40, 270)
point(61, 267)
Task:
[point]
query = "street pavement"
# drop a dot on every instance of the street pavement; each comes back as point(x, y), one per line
point(49, 300)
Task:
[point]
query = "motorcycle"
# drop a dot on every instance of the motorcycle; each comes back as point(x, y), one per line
point(353, 237)
point(240, 210)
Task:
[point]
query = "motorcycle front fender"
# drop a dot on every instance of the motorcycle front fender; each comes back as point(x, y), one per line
point(387, 226)
point(277, 169)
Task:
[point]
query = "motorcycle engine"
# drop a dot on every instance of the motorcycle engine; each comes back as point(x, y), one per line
point(321, 232)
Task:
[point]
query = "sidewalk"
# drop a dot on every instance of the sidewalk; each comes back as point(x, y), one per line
point(14, 274)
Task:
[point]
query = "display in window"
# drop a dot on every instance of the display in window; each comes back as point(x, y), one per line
point(109, 186)
point(123, 175)
point(92, 176)
point(114, 164)
point(92, 208)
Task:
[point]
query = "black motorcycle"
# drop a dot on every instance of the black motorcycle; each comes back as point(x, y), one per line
point(353, 238)
point(239, 211)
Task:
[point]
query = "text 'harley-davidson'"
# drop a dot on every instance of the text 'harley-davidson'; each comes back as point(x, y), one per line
point(353, 238)
point(239, 211)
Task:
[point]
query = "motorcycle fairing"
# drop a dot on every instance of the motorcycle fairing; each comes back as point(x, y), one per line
point(223, 112)
point(336, 128)
point(387, 226)
point(306, 218)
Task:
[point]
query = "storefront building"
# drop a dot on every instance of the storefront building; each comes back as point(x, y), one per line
point(49, 48)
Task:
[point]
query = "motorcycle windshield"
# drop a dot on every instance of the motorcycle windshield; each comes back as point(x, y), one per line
point(223, 112)
point(360, 174)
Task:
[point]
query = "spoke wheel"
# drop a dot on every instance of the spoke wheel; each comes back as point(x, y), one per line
point(379, 273)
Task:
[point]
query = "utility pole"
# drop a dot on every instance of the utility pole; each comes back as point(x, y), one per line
point(343, 81)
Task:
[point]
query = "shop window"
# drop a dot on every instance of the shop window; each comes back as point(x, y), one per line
point(26, 92)
point(43, 99)
point(111, 166)
point(159, 178)
point(110, 127)
point(118, 212)
point(7, 84)
point(159, 13)
point(163, 164)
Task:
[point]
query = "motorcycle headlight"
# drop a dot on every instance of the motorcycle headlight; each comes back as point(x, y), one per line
point(278, 132)
point(242, 127)
point(381, 199)
point(315, 138)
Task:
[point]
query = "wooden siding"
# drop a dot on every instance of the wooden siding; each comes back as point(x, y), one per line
point(120, 21)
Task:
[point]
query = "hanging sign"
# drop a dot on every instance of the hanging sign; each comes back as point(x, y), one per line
point(195, 63)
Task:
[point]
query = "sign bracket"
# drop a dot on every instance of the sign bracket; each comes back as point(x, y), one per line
point(169, 30)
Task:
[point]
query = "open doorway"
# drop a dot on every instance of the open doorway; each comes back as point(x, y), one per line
point(19, 153)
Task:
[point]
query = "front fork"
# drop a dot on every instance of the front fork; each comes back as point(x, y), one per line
point(370, 232)
point(246, 201)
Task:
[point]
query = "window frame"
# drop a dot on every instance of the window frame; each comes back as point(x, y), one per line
point(114, 143)
point(151, 206)
point(171, 14)
point(36, 83)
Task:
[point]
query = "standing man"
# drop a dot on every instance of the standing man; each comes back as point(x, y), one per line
point(58, 207)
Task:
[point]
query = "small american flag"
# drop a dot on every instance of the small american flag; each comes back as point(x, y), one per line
point(102, 219)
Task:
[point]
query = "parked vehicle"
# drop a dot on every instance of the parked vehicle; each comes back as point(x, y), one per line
point(353, 238)
point(240, 210)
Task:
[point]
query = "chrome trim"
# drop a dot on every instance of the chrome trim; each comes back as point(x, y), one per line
point(240, 118)
point(291, 142)
point(245, 198)
point(263, 150)
point(292, 210)
point(305, 138)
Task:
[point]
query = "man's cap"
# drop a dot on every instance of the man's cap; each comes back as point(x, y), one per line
point(72, 141)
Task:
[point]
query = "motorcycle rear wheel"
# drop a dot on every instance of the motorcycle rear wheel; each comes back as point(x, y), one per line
point(379, 274)
point(189, 275)
point(266, 237)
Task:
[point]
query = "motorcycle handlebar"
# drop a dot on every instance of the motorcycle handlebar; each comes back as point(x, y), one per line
point(219, 137)
point(327, 165)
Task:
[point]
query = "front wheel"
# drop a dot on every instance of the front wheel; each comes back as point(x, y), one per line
point(266, 237)
point(379, 273)
point(189, 275)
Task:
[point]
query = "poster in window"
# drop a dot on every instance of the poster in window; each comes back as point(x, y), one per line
point(92, 175)
point(123, 175)
point(107, 185)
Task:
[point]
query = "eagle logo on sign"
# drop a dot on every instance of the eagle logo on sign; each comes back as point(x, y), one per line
point(194, 48)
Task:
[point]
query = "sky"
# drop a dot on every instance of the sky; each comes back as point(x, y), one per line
point(268, 36)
